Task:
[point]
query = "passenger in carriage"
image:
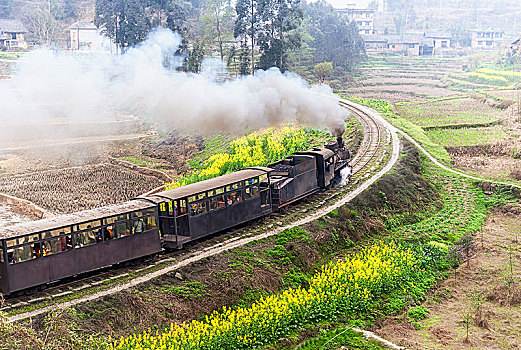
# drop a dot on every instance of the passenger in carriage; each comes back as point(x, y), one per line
point(99, 237)
point(139, 226)
point(45, 249)
point(36, 250)
point(107, 233)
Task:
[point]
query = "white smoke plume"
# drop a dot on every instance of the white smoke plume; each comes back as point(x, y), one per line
point(50, 86)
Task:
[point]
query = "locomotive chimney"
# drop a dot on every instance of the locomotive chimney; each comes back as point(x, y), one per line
point(340, 142)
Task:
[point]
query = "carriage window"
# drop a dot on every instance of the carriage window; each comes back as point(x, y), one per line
point(251, 192)
point(56, 233)
point(151, 223)
point(57, 245)
point(22, 240)
point(211, 193)
point(201, 207)
point(182, 207)
point(251, 181)
point(201, 196)
point(237, 185)
point(234, 197)
point(149, 211)
point(162, 207)
point(263, 177)
point(113, 219)
point(88, 225)
point(1, 255)
point(121, 229)
point(217, 202)
point(191, 199)
point(219, 190)
point(85, 238)
point(20, 254)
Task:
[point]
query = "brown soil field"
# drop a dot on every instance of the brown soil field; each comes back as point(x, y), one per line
point(78, 188)
point(507, 94)
point(496, 324)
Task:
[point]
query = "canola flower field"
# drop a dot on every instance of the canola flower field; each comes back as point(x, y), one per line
point(346, 288)
point(494, 76)
point(259, 148)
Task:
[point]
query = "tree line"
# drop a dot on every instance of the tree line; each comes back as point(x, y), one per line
point(247, 35)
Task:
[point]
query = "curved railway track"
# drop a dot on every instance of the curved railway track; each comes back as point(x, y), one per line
point(377, 154)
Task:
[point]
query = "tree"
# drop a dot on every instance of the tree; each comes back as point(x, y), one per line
point(43, 26)
point(278, 35)
point(322, 70)
point(128, 22)
point(5, 8)
point(335, 40)
point(244, 59)
point(247, 25)
point(63, 9)
point(217, 23)
point(195, 57)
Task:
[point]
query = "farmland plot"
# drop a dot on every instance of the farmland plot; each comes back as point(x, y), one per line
point(450, 112)
point(467, 136)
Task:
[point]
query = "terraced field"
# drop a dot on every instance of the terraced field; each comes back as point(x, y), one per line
point(439, 113)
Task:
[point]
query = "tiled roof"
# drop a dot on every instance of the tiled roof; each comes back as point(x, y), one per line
point(12, 26)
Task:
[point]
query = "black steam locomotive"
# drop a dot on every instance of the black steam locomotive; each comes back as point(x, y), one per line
point(40, 252)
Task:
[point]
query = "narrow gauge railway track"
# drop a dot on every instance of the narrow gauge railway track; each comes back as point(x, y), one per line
point(377, 154)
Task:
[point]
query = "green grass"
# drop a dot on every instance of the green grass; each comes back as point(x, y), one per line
point(413, 130)
point(440, 113)
point(466, 136)
point(11, 55)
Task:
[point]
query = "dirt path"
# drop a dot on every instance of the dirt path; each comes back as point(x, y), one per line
point(435, 161)
point(238, 242)
point(497, 325)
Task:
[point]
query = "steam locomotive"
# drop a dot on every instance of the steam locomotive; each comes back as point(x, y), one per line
point(37, 253)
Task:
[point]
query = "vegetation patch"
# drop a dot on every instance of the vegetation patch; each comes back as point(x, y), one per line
point(413, 130)
point(256, 149)
point(466, 136)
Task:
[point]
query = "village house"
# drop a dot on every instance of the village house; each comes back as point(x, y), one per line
point(487, 39)
point(12, 35)
point(364, 18)
point(375, 43)
point(85, 36)
point(440, 40)
point(408, 45)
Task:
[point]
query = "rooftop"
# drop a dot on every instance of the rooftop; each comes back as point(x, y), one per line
point(30, 227)
point(12, 26)
point(83, 25)
point(210, 184)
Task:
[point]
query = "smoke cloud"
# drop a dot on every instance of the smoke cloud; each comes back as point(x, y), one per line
point(51, 87)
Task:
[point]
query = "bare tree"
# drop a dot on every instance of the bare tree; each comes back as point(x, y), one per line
point(43, 26)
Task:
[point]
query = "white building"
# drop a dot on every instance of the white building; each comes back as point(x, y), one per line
point(487, 39)
point(12, 34)
point(364, 18)
point(86, 36)
point(441, 40)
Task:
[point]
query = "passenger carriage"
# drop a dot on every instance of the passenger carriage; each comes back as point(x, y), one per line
point(200, 209)
point(48, 250)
